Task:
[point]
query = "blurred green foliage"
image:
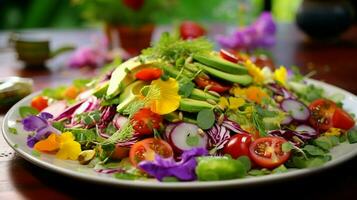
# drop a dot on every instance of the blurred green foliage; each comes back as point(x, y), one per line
point(17, 14)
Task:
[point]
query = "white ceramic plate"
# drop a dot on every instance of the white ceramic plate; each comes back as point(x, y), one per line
point(339, 154)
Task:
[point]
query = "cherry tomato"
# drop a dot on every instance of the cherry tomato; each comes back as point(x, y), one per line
point(145, 121)
point(341, 119)
point(191, 30)
point(266, 152)
point(322, 111)
point(238, 145)
point(134, 4)
point(228, 56)
point(148, 74)
point(120, 152)
point(215, 86)
point(39, 103)
point(147, 149)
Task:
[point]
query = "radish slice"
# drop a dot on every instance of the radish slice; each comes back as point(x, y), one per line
point(56, 108)
point(119, 121)
point(287, 120)
point(168, 130)
point(296, 109)
point(305, 129)
point(185, 136)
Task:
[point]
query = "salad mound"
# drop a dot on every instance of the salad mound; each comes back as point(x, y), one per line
point(183, 112)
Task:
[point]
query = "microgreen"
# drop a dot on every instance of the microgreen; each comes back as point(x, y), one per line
point(205, 119)
point(352, 136)
point(13, 130)
point(25, 111)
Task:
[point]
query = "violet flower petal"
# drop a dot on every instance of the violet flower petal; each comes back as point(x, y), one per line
point(183, 170)
point(45, 115)
point(32, 123)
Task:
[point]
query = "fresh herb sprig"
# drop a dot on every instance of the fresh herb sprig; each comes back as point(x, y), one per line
point(171, 48)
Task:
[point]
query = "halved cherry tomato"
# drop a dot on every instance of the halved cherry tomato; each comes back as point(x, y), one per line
point(191, 30)
point(39, 103)
point(228, 56)
point(148, 74)
point(215, 86)
point(267, 152)
point(322, 111)
point(145, 121)
point(238, 145)
point(341, 119)
point(326, 114)
point(147, 149)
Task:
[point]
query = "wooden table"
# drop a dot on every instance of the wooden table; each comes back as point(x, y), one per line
point(334, 61)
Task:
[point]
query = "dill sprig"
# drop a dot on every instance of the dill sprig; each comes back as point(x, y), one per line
point(171, 47)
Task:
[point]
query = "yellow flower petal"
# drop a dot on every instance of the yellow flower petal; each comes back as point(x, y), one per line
point(334, 132)
point(223, 102)
point(69, 150)
point(237, 92)
point(163, 96)
point(235, 103)
point(66, 136)
point(281, 75)
point(255, 72)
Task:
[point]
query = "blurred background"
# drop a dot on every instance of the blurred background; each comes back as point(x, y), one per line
point(55, 41)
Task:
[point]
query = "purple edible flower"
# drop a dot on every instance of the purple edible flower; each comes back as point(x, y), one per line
point(183, 170)
point(259, 34)
point(40, 125)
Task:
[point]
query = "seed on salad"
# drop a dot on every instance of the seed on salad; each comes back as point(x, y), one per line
point(220, 119)
point(188, 60)
point(86, 156)
point(207, 87)
point(180, 115)
point(297, 139)
point(214, 93)
point(203, 75)
point(176, 120)
point(211, 101)
point(279, 98)
point(201, 132)
point(220, 107)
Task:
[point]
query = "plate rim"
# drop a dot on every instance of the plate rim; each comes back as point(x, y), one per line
point(174, 185)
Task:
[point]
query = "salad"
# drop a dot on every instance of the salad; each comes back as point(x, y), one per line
point(183, 112)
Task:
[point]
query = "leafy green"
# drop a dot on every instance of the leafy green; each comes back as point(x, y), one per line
point(171, 48)
point(287, 147)
point(259, 172)
point(83, 135)
point(58, 125)
point(308, 93)
point(205, 119)
point(54, 93)
point(80, 83)
point(301, 162)
point(13, 130)
point(246, 162)
point(186, 88)
point(35, 153)
point(170, 179)
point(257, 118)
point(280, 169)
point(25, 111)
point(324, 142)
point(192, 140)
point(352, 136)
point(313, 150)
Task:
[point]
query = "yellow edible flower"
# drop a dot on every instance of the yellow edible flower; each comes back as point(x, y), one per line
point(334, 132)
point(281, 75)
point(232, 103)
point(69, 149)
point(255, 72)
point(163, 97)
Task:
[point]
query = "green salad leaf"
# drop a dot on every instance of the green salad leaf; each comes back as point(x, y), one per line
point(206, 119)
point(26, 111)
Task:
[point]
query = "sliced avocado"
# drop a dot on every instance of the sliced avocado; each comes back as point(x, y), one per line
point(202, 95)
point(192, 105)
point(101, 90)
point(130, 94)
point(220, 64)
point(124, 74)
point(234, 78)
